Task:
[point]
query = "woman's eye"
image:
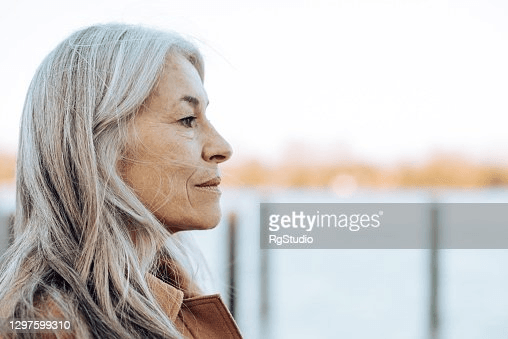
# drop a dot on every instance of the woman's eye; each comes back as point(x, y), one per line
point(188, 122)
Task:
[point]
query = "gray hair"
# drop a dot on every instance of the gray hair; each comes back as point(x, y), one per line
point(74, 213)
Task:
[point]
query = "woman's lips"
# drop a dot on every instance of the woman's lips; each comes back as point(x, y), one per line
point(211, 185)
point(212, 182)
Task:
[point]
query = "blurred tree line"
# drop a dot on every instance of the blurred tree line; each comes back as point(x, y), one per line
point(7, 168)
point(440, 171)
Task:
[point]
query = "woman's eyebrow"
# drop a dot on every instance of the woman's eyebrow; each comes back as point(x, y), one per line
point(192, 100)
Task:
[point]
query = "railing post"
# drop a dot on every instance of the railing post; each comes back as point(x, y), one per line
point(434, 272)
point(232, 220)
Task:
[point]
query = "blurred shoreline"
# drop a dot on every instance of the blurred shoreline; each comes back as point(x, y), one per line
point(441, 170)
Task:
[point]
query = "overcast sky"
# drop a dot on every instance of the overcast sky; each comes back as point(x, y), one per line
point(383, 80)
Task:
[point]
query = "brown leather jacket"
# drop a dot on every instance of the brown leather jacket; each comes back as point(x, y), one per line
point(197, 317)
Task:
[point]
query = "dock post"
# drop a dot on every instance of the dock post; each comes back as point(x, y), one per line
point(232, 241)
point(434, 273)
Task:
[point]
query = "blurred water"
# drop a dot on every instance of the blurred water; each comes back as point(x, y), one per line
point(353, 293)
point(360, 293)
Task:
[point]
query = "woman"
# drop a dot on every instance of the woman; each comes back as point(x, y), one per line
point(116, 157)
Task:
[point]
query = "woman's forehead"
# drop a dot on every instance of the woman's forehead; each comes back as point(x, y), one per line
point(180, 82)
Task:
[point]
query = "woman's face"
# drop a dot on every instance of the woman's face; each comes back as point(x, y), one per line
point(173, 157)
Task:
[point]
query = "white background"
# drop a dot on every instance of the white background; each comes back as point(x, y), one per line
point(383, 80)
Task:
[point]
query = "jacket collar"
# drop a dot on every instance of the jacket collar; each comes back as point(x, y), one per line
point(168, 297)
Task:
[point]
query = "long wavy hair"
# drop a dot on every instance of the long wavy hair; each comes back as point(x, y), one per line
point(74, 213)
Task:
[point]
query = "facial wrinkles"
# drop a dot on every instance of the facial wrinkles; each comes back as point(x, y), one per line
point(166, 178)
point(187, 187)
point(157, 152)
point(189, 134)
point(172, 157)
point(178, 154)
point(184, 167)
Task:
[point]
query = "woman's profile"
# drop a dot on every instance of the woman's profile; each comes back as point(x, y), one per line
point(116, 159)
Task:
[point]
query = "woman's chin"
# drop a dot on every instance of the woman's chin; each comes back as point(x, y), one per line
point(202, 221)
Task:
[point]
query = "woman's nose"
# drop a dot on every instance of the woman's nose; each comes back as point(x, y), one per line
point(216, 148)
